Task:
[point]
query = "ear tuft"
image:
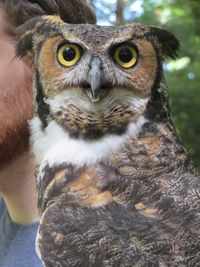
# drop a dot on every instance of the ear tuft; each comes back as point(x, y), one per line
point(25, 35)
point(24, 46)
point(170, 45)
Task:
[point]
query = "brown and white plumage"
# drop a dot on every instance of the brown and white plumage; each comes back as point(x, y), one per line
point(116, 186)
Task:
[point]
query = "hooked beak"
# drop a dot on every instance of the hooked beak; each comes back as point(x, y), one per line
point(94, 80)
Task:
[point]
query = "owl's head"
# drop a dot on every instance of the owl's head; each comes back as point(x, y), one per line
point(96, 80)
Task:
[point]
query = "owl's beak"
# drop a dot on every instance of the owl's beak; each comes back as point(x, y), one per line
point(94, 80)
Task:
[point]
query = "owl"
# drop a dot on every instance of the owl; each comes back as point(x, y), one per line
point(115, 184)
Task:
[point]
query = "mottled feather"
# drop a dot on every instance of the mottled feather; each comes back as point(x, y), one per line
point(116, 186)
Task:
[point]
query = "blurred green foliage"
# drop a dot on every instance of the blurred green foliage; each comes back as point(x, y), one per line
point(182, 18)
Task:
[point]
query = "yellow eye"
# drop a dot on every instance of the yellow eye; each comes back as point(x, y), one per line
point(69, 54)
point(125, 56)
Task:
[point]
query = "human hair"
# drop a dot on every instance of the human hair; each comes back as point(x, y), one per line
point(71, 11)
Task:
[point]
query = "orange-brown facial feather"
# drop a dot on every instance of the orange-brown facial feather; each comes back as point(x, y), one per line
point(50, 71)
point(139, 78)
point(142, 76)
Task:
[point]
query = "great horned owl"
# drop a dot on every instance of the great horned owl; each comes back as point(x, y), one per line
point(116, 187)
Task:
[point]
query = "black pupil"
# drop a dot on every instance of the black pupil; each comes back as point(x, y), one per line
point(125, 55)
point(69, 54)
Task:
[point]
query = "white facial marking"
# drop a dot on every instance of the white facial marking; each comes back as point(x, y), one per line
point(77, 97)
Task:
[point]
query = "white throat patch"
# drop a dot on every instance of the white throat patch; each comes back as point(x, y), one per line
point(53, 146)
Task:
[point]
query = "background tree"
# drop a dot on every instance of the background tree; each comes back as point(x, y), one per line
point(119, 12)
point(181, 17)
